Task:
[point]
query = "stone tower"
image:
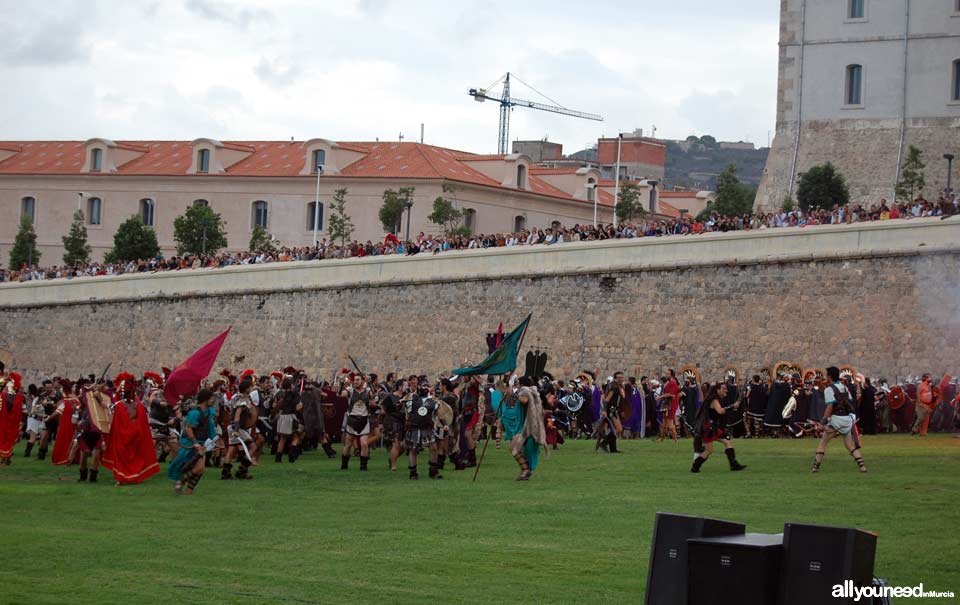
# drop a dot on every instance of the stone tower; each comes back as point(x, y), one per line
point(859, 81)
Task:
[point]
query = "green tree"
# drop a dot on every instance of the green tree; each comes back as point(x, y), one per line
point(708, 141)
point(733, 197)
point(445, 215)
point(911, 175)
point(76, 249)
point(133, 241)
point(787, 205)
point(394, 204)
point(821, 187)
point(199, 230)
point(24, 251)
point(339, 226)
point(629, 204)
point(261, 242)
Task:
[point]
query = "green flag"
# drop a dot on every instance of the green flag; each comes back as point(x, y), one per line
point(504, 359)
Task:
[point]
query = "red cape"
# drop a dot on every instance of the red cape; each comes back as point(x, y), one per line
point(130, 454)
point(65, 433)
point(10, 420)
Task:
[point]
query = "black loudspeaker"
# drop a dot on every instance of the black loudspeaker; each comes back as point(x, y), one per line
point(818, 557)
point(735, 569)
point(667, 571)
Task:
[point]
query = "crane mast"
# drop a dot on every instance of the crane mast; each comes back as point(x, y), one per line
point(507, 103)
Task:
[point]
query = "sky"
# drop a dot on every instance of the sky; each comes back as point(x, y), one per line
point(358, 70)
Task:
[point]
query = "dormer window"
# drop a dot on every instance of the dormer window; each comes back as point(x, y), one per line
point(96, 159)
point(521, 176)
point(319, 160)
point(203, 160)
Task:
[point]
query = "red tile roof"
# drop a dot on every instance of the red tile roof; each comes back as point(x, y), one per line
point(682, 194)
point(271, 159)
point(667, 209)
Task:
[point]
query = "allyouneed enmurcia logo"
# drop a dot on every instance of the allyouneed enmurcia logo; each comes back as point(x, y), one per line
point(848, 590)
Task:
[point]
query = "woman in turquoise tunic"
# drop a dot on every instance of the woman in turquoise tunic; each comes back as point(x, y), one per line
point(522, 417)
point(199, 426)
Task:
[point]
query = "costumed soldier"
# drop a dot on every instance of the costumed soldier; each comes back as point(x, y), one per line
point(288, 404)
point(421, 411)
point(522, 418)
point(392, 410)
point(709, 427)
point(757, 398)
point(243, 421)
point(93, 428)
point(11, 416)
point(838, 419)
point(447, 411)
point(130, 454)
point(690, 392)
point(468, 421)
point(51, 401)
point(359, 403)
point(197, 436)
point(610, 426)
point(734, 415)
point(36, 415)
point(64, 448)
point(779, 396)
point(161, 416)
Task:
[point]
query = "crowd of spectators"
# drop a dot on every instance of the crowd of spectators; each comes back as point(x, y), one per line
point(554, 234)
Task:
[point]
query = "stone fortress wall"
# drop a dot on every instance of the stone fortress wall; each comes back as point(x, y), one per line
point(884, 297)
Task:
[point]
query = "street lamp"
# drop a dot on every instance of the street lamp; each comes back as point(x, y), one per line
point(596, 195)
point(409, 207)
point(949, 158)
point(316, 209)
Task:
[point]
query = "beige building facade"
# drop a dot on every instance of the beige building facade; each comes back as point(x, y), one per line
point(859, 82)
point(274, 184)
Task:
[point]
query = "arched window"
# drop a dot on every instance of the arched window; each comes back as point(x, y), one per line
point(956, 72)
point(203, 160)
point(94, 208)
point(521, 177)
point(591, 190)
point(856, 9)
point(319, 159)
point(854, 85)
point(260, 214)
point(519, 223)
point(147, 207)
point(470, 219)
point(28, 209)
point(203, 203)
point(315, 216)
point(96, 159)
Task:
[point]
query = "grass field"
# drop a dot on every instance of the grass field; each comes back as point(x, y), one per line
point(578, 532)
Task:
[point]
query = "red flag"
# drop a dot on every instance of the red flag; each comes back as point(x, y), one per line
point(185, 379)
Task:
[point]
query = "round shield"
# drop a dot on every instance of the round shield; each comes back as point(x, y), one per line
point(766, 375)
point(572, 401)
point(731, 375)
point(897, 398)
point(787, 367)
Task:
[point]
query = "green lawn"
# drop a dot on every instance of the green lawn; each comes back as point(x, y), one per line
point(578, 532)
